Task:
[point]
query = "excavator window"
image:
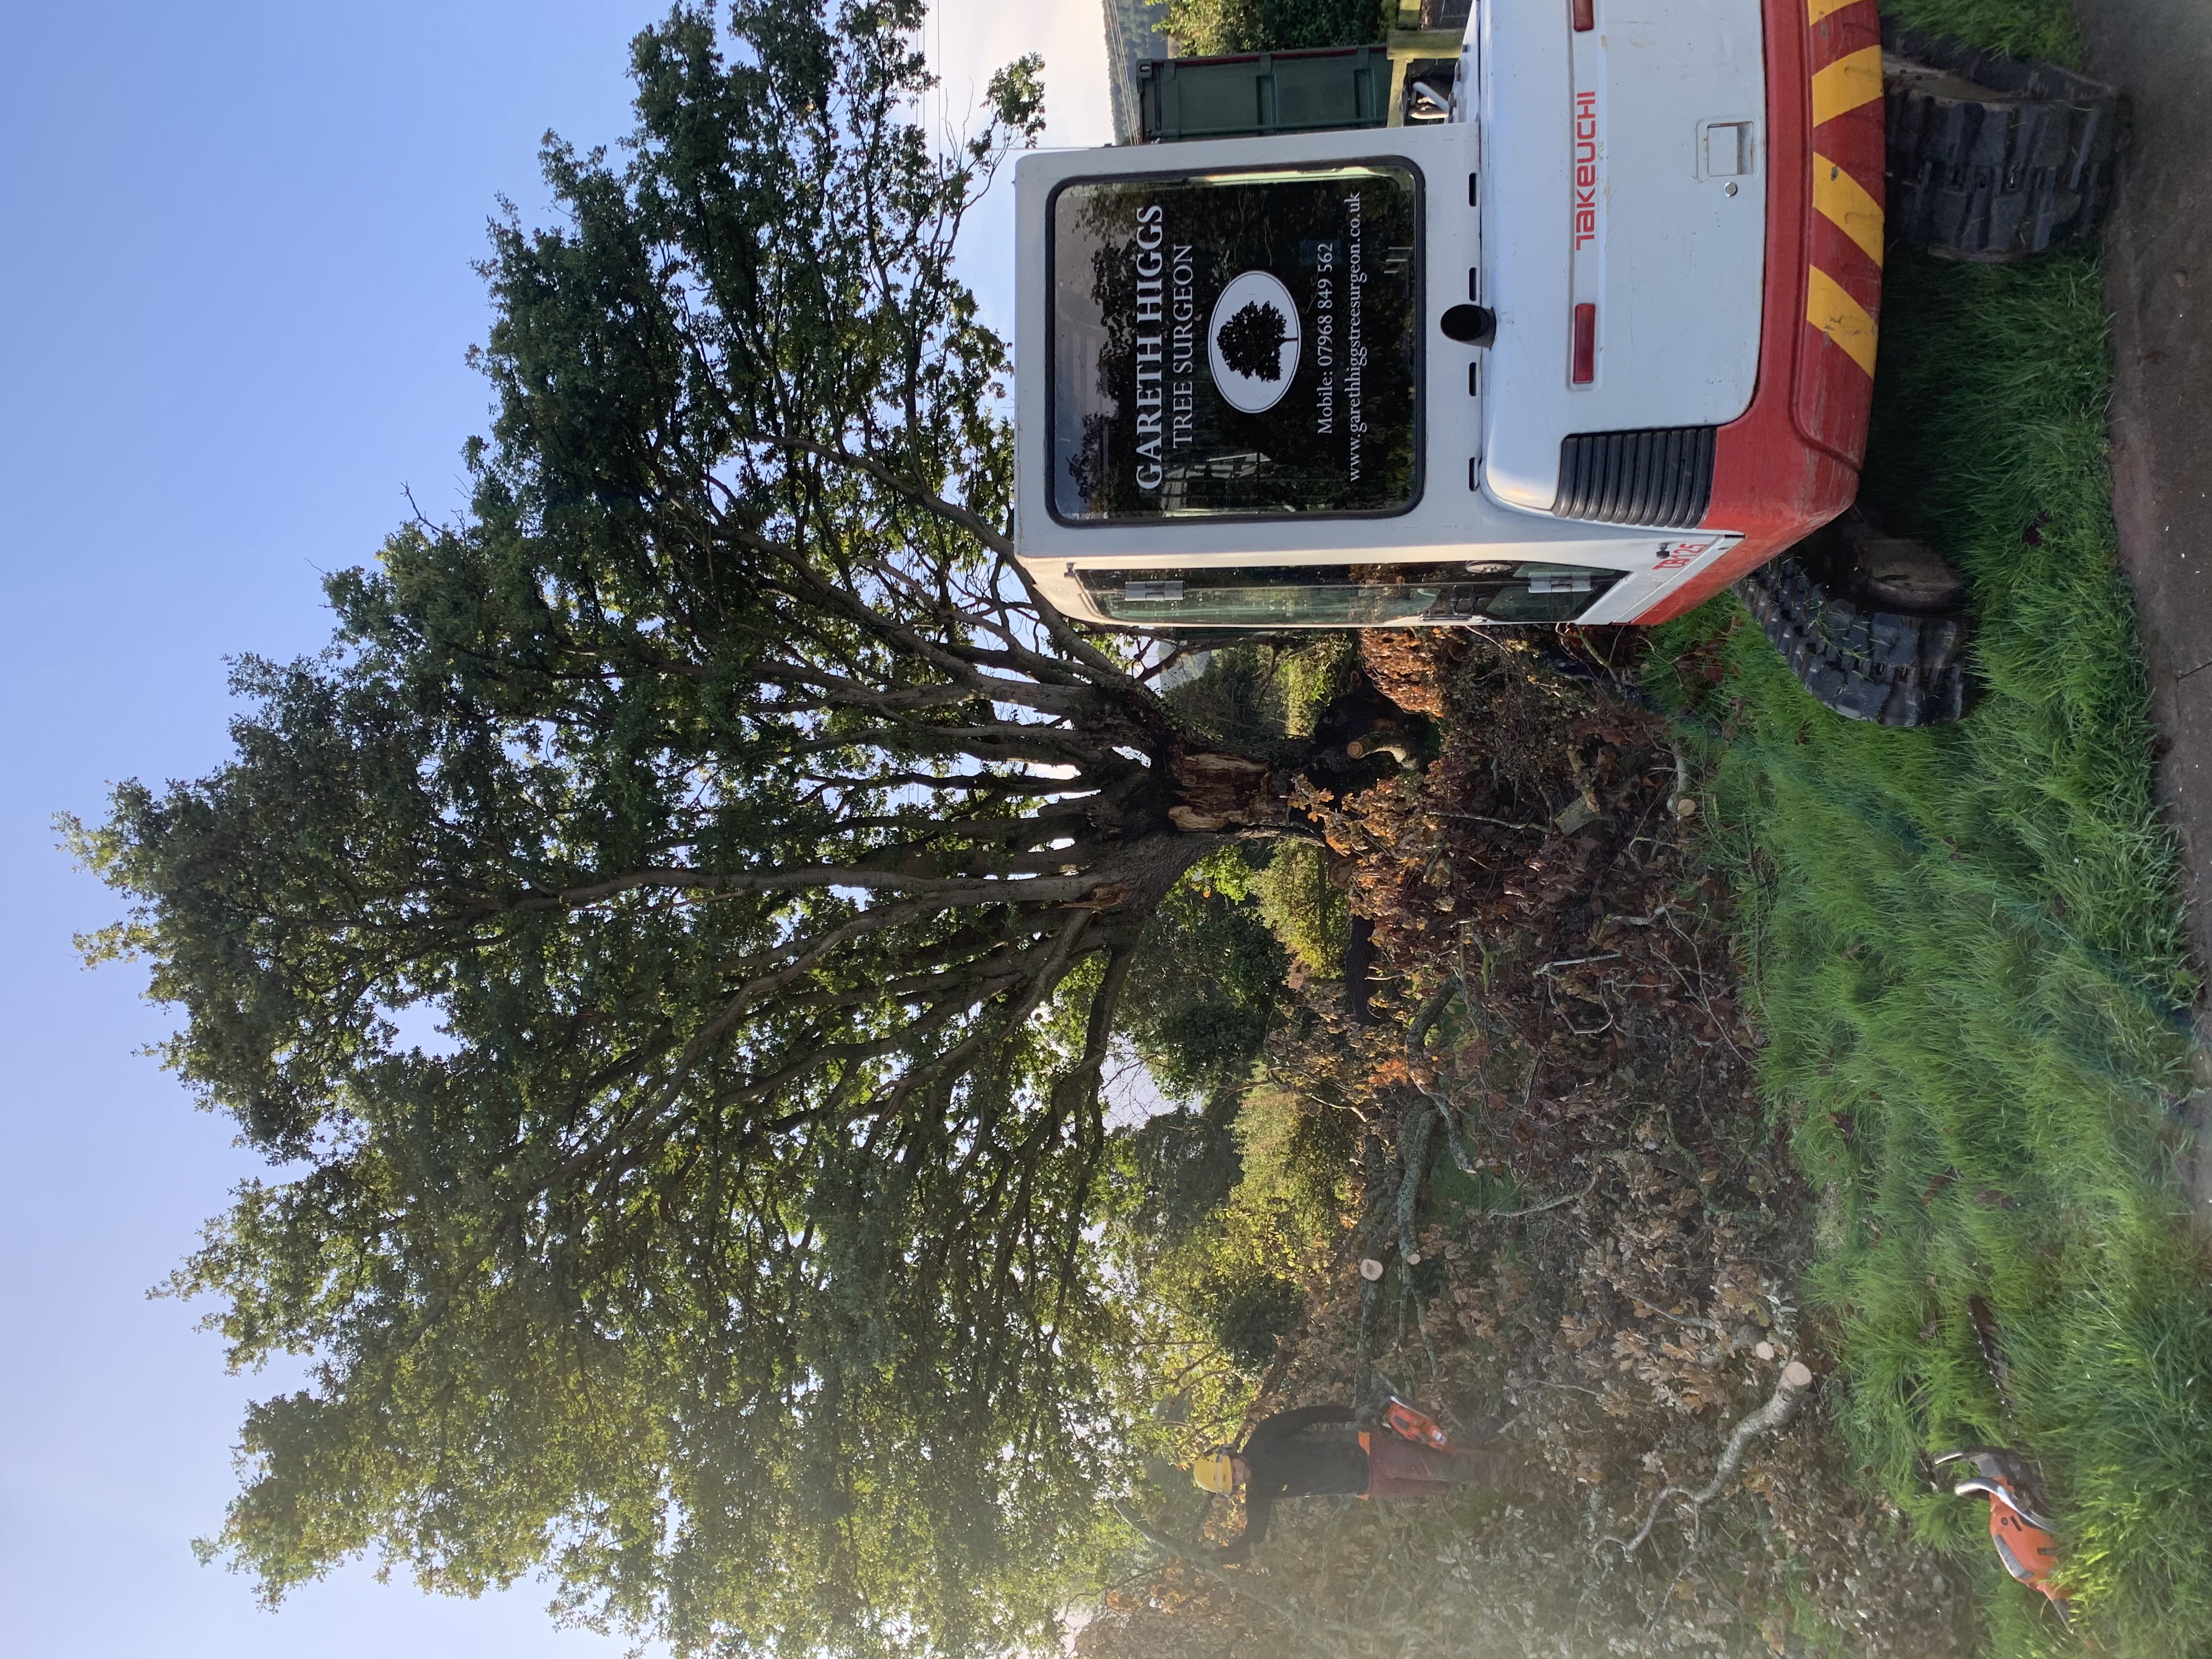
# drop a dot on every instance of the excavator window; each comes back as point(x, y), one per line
point(1347, 596)
point(1236, 345)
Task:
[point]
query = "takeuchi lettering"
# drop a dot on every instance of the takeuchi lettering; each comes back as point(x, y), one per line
point(1585, 169)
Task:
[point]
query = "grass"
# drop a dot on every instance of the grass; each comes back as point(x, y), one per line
point(1966, 949)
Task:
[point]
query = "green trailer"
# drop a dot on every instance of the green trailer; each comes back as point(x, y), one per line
point(1262, 94)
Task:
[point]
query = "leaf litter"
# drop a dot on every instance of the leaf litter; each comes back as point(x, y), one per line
point(1607, 1229)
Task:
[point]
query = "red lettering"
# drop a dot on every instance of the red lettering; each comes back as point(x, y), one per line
point(1585, 177)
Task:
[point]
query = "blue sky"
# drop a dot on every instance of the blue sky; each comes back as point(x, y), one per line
point(236, 285)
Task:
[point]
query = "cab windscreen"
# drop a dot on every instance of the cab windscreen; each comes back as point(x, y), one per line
point(1346, 595)
point(1236, 345)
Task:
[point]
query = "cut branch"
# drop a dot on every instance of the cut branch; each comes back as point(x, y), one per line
point(1780, 1407)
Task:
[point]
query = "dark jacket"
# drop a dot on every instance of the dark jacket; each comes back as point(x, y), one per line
point(1296, 1455)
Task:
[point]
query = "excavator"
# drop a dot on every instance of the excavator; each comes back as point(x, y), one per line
point(1576, 324)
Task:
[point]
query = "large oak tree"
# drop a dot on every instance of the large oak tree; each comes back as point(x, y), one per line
point(666, 946)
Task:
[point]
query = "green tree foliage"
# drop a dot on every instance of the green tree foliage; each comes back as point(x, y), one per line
point(1299, 905)
point(1247, 1309)
point(1207, 988)
point(771, 859)
point(1186, 1164)
point(1200, 27)
point(1208, 985)
point(1238, 698)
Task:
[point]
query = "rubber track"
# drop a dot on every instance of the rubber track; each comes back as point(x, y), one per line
point(2026, 169)
point(1865, 664)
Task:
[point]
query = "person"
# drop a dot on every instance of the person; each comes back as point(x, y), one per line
point(1312, 1452)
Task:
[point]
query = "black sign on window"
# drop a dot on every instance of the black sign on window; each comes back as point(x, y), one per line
point(1236, 345)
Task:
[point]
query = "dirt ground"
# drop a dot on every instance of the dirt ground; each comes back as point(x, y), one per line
point(2158, 287)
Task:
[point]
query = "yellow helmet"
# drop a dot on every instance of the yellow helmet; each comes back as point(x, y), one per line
point(1213, 1471)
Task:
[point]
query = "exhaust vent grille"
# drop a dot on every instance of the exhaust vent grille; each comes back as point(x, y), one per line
point(1662, 478)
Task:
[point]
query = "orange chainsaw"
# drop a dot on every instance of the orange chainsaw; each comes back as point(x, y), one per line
point(1405, 1422)
point(1410, 1425)
point(2017, 1526)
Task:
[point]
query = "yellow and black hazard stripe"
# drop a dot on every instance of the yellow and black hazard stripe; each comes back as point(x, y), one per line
point(1843, 279)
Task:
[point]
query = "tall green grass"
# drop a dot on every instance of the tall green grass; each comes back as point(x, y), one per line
point(1966, 949)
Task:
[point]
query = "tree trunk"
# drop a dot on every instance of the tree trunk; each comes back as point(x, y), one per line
point(1217, 791)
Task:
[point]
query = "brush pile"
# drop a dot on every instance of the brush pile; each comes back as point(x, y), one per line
point(1604, 1226)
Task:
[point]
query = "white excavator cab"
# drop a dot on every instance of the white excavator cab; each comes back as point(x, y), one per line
point(1547, 358)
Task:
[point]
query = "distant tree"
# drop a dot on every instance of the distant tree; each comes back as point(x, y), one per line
point(1251, 340)
point(771, 860)
point(1214, 26)
point(1187, 1164)
point(1207, 986)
